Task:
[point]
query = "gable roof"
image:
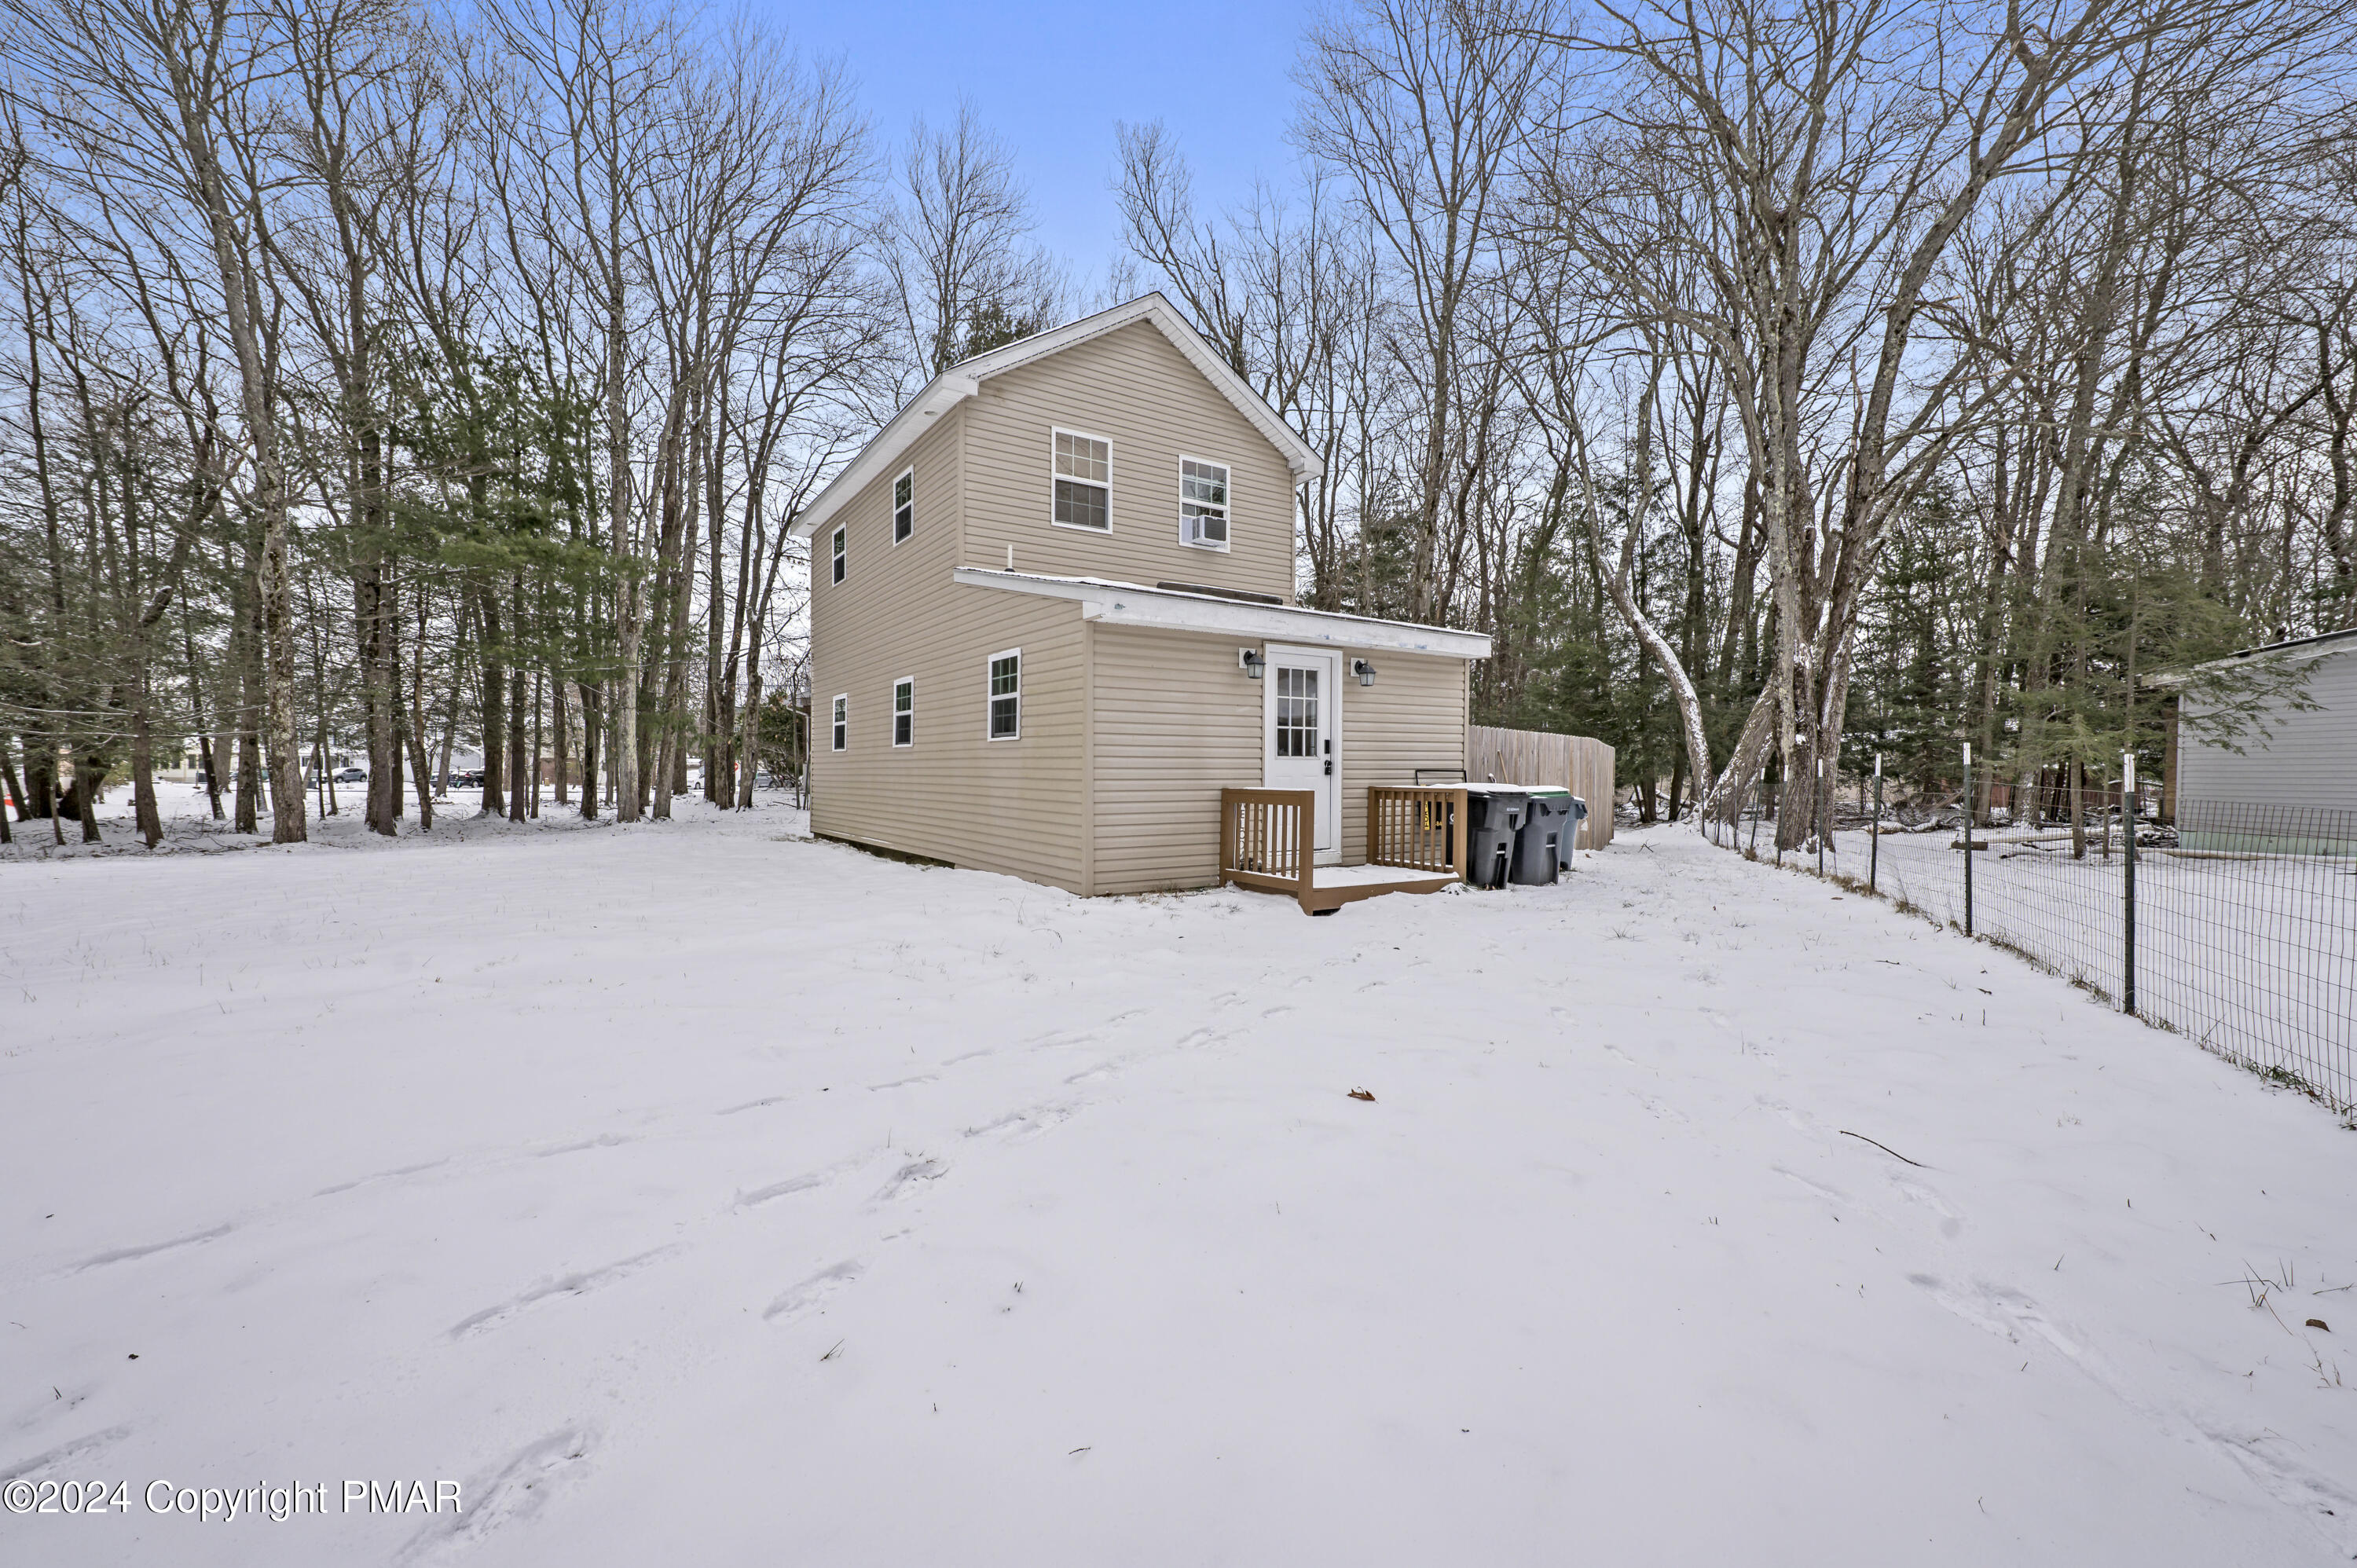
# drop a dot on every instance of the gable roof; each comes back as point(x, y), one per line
point(962, 381)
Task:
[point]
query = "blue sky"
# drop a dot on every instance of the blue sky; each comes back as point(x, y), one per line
point(1052, 78)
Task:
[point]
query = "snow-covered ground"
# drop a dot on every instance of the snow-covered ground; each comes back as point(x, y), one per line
point(694, 1192)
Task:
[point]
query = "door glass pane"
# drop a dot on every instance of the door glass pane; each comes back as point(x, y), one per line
point(1296, 712)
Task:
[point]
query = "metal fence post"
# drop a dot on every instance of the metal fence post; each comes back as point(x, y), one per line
point(2127, 957)
point(1968, 838)
point(1874, 840)
point(1824, 814)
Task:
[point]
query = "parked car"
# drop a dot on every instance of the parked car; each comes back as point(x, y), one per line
point(350, 775)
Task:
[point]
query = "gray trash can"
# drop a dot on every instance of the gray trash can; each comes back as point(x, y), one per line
point(1496, 813)
point(1544, 841)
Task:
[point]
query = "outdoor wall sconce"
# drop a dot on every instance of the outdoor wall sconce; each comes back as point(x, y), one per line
point(1249, 660)
point(1364, 670)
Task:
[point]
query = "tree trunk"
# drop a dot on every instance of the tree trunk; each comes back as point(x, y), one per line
point(590, 697)
point(491, 653)
point(517, 762)
point(557, 696)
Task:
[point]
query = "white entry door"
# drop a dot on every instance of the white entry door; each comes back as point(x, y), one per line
point(1303, 689)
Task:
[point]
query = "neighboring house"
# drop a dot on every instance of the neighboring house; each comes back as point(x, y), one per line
point(2293, 789)
point(1039, 600)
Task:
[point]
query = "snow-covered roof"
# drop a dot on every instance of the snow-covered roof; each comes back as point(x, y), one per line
point(962, 381)
point(2292, 650)
point(1132, 603)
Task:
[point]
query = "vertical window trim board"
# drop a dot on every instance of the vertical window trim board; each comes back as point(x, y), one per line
point(1088, 845)
point(1054, 431)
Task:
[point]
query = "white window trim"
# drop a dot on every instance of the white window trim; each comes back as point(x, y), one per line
point(892, 495)
point(839, 552)
point(1054, 431)
point(841, 702)
point(909, 682)
point(1230, 510)
point(988, 697)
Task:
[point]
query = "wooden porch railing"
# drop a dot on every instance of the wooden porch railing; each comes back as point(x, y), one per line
point(1268, 840)
point(1420, 829)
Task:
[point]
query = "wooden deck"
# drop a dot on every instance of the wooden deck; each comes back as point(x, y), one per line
point(1269, 842)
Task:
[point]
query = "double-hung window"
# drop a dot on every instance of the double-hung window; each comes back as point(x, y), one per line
point(904, 505)
point(1203, 504)
point(838, 554)
point(841, 720)
point(904, 712)
point(1006, 695)
point(1083, 482)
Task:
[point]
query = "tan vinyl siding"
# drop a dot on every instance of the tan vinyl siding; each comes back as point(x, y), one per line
point(1134, 389)
point(1013, 806)
point(1175, 722)
point(1412, 716)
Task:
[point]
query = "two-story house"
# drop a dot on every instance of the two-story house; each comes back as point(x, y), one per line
point(1052, 614)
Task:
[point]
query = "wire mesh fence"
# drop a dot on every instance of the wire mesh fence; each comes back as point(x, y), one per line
point(2236, 925)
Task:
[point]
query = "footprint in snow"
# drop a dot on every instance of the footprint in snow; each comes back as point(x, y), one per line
point(577, 1283)
point(909, 1174)
point(518, 1489)
point(814, 1290)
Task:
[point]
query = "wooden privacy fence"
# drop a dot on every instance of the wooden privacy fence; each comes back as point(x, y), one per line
point(1534, 756)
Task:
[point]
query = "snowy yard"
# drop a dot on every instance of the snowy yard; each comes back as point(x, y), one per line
point(694, 1192)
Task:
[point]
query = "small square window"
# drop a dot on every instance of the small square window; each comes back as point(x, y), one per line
point(838, 554)
point(841, 720)
point(1006, 695)
point(1083, 482)
point(904, 713)
point(904, 506)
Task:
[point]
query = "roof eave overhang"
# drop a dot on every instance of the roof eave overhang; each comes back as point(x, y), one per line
point(1122, 604)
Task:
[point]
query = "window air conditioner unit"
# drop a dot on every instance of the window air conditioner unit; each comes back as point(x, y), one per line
point(1205, 528)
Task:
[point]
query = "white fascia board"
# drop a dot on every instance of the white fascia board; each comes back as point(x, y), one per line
point(1126, 604)
point(942, 393)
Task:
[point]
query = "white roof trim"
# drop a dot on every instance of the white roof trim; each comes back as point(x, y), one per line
point(2301, 650)
point(961, 381)
point(1127, 604)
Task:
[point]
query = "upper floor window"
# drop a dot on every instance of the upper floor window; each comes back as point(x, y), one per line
point(904, 712)
point(1083, 482)
point(1203, 503)
point(904, 506)
point(838, 554)
point(1006, 695)
point(841, 720)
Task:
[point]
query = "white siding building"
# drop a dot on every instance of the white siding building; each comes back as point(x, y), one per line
point(2306, 764)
